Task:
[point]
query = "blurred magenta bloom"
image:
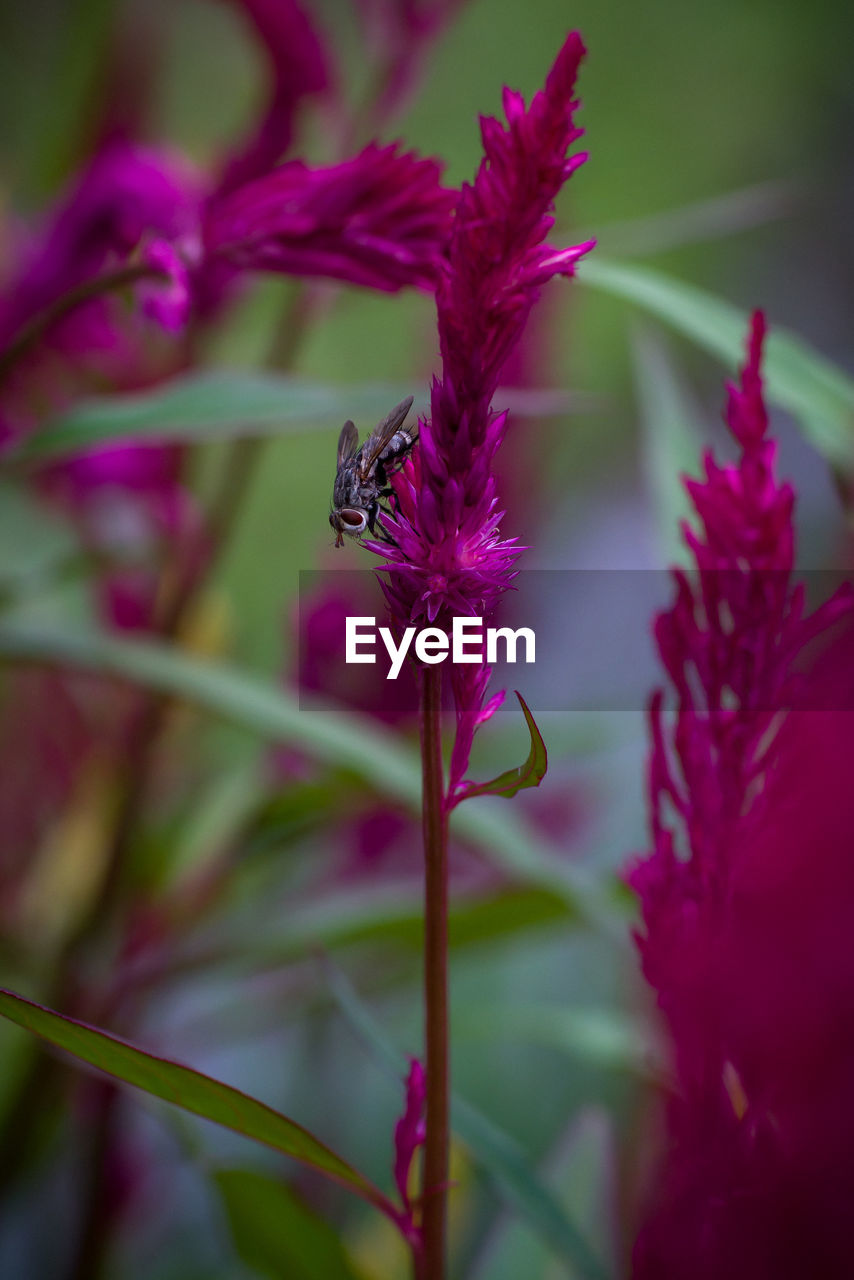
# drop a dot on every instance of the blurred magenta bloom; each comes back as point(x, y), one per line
point(321, 669)
point(129, 505)
point(166, 300)
point(378, 220)
point(399, 33)
point(757, 1179)
point(734, 828)
point(126, 192)
point(299, 65)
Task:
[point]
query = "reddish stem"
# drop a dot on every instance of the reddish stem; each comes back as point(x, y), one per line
point(435, 829)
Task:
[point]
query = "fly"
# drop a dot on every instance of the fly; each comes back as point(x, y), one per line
point(362, 478)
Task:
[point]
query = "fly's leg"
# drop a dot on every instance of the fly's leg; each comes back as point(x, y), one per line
point(392, 498)
point(377, 529)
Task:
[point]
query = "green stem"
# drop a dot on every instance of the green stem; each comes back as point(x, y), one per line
point(31, 334)
point(435, 830)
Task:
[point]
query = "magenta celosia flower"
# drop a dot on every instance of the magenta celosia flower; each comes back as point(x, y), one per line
point(126, 193)
point(447, 555)
point(730, 644)
point(299, 64)
point(409, 1134)
point(378, 220)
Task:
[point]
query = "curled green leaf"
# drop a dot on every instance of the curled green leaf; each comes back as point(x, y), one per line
point(529, 774)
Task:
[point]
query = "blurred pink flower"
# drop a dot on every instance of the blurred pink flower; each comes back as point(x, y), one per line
point(126, 192)
point(126, 197)
point(723, 1201)
point(129, 505)
point(400, 33)
point(321, 670)
point(378, 220)
point(729, 644)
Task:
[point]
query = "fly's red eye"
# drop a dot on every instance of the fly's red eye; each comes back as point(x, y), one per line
point(353, 519)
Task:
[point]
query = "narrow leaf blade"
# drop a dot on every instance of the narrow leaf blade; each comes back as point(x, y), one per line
point(818, 393)
point(529, 774)
point(215, 405)
point(188, 1089)
point(226, 404)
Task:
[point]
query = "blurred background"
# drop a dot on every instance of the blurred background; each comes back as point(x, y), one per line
point(720, 142)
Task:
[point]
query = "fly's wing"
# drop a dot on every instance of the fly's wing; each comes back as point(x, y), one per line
point(348, 443)
point(380, 436)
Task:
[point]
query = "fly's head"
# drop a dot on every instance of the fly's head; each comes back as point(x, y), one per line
point(350, 520)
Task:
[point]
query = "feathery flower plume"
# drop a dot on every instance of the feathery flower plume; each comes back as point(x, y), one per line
point(299, 63)
point(447, 555)
point(377, 220)
point(729, 644)
point(409, 1134)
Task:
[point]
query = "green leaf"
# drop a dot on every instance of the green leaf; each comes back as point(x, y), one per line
point(341, 739)
point(529, 774)
point(35, 544)
point(189, 1090)
point(226, 404)
point(812, 388)
point(494, 1150)
point(221, 404)
point(275, 1233)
